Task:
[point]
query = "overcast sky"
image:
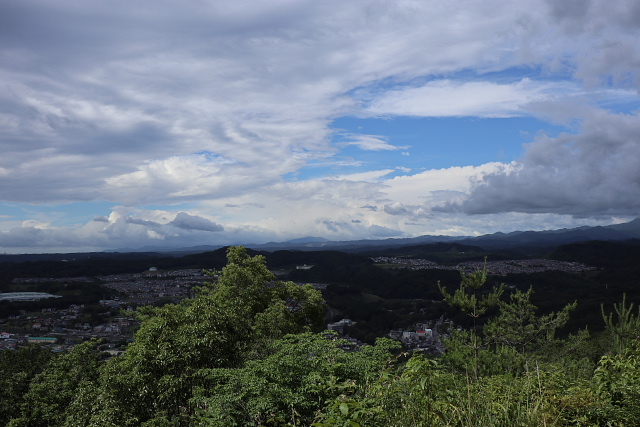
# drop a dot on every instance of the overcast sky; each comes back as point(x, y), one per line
point(166, 123)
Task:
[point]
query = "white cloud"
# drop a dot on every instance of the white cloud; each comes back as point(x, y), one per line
point(256, 84)
point(33, 223)
point(424, 186)
point(371, 142)
point(446, 98)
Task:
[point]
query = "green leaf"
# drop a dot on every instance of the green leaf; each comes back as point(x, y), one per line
point(344, 408)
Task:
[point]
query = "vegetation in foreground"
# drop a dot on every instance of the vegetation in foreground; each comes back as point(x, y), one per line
point(250, 351)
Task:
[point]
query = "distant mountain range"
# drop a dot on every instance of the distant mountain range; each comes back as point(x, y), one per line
point(530, 240)
point(554, 238)
point(517, 239)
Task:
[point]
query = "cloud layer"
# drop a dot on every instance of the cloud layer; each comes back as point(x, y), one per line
point(212, 121)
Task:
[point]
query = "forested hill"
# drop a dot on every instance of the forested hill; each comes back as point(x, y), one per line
point(624, 255)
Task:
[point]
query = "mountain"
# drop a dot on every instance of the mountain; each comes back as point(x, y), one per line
point(351, 245)
point(533, 240)
point(309, 240)
point(554, 238)
point(632, 227)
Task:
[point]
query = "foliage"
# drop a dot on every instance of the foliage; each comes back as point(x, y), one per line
point(517, 325)
point(53, 390)
point(617, 380)
point(474, 302)
point(470, 298)
point(291, 384)
point(17, 369)
point(273, 308)
point(625, 327)
point(224, 327)
point(156, 374)
point(246, 351)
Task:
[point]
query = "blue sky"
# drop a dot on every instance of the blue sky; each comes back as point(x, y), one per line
point(435, 143)
point(125, 125)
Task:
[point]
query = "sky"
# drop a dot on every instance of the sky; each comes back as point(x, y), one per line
point(172, 124)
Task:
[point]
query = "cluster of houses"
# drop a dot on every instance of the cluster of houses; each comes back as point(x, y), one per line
point(423, 337)
point(502, 268)
point(9, 341)
point(60, 329)
point(148, 287)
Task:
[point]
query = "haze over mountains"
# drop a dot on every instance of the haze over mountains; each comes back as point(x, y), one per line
point(538, 239)
point(533, 240)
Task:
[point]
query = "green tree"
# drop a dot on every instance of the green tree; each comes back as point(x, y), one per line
point(158, 371)
point(228, 323)
point(473, 301)
point(274, 308)
point(517, 325)
point(289, 386)
point(625, 327)
point(53, 390)
point(17, 369)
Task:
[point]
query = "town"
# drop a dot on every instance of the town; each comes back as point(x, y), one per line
point(112, 319)
point(501, 268)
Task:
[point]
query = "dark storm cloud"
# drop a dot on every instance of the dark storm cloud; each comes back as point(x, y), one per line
point(594, 172)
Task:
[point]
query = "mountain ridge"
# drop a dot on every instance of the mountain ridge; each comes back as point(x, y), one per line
point(535, 240)
point(498, 240)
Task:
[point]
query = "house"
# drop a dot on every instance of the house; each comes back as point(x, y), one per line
point(340, 325)
point(424, 333)
point(409, 336)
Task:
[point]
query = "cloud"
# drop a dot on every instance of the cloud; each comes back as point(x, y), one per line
point(142, 222)
point(369, 176)
point(395, 209)
point(33, 223)
point(593, 172)
point(447, 98)
point(129, 98)
point(179, 114)
point(603, 36)
point(372, 231)
point(190, 222)
point(370, 142)
point(118, 230)
point(377, 231)
point(345, 207)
